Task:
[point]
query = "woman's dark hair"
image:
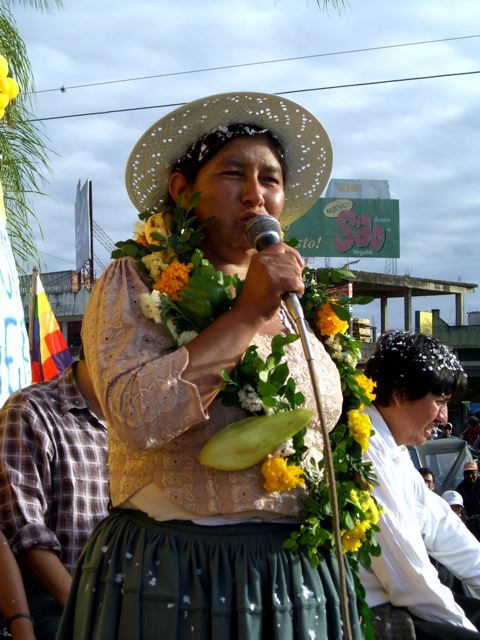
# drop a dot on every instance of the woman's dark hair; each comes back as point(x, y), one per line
point(206, 147)
point(414, 365)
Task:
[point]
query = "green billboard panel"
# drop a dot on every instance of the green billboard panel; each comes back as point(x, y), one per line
point(343, 227)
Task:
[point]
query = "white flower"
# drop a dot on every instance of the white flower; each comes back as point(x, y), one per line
point(284, 449)
point(333, 346)
point(349, 359)
point(150, 305)
point(249, 400)
point(138, 230)
point(154, 264)
point(353, 361)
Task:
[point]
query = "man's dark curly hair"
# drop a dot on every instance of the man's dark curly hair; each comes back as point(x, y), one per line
point(414, 365)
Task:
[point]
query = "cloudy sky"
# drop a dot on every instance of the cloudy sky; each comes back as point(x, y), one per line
point(422, 136)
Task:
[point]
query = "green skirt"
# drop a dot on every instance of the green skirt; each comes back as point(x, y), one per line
point(142, 579)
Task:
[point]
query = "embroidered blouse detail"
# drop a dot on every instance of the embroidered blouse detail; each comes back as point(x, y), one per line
point(156, 422)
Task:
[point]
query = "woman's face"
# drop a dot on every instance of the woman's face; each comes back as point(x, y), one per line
point(243, 180)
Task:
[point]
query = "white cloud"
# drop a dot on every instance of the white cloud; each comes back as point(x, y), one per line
point(421, 136)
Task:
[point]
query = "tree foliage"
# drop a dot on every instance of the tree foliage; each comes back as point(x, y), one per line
point(336, 4)
point(23, 149)
point(42, 5)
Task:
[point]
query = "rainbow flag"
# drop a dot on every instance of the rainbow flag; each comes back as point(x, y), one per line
point(48, 352)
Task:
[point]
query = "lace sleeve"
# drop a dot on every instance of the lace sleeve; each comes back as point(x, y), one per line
point(134, 365)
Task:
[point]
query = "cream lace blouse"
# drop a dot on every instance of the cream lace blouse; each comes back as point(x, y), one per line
point(155, 418)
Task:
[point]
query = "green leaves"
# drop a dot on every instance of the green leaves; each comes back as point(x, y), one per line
point(184, 240)
point(23, 149)
point(208, 293)
point(129, 248)
point(270, 378)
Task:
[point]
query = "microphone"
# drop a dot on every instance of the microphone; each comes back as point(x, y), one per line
point(263, 231)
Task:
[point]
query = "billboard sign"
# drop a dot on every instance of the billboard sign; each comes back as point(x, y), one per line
point(424, 322)
point(82, 226)
point(344, 227)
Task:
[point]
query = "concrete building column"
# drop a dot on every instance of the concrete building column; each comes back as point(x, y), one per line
point(407, 309)
point(64, 327)
point(383, 314)
point(459, 309)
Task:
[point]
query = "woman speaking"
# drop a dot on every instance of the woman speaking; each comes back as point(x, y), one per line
point(195, 550)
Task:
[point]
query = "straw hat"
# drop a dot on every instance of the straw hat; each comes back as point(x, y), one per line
point(453, 498)
point(307, 147)
point(471, 465)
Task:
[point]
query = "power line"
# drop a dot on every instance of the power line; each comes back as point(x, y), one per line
point(63, 88)
point(366, 84)
point(279, 93)
point(50, 255)
point(102, 237)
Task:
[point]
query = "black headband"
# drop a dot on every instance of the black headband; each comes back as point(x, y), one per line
point(203, 149)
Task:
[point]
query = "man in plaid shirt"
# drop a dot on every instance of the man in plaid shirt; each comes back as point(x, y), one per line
point(53, 484)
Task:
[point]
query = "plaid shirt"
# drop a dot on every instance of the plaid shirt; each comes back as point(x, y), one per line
point(53, 469)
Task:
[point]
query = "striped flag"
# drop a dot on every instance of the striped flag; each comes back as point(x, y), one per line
point(48, 350)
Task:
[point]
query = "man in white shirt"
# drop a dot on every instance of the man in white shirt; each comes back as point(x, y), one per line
point(416, 376)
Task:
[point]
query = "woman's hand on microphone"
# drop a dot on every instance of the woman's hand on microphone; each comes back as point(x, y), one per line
point(273, 272)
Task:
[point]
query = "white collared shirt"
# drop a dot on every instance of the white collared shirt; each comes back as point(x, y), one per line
point(416, 523)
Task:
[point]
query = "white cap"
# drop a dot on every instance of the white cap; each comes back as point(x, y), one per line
point(452, 497)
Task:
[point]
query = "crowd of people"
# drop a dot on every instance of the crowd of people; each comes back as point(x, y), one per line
point(466, 494)
point(160, 546)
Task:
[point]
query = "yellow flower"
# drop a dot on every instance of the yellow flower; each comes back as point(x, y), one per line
point(280, 476)
point(8, 86)
point(367, 504)
point(360, 427)
point(173, 279)
point(12, 88)
point(367, 385)
point(352, 539)
point(160, 223)
point(328, 323)
point(3, 66)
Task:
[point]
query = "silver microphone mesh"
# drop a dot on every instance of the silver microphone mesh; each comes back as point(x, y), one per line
point(262, 226)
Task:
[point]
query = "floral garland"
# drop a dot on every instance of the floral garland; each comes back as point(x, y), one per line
point(187, 294)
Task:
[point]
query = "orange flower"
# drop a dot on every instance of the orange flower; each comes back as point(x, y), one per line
point(173, 279)
point(328, 323)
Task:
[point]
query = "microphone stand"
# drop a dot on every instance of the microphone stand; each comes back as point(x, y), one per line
point(261, 232)
point(296, 311)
